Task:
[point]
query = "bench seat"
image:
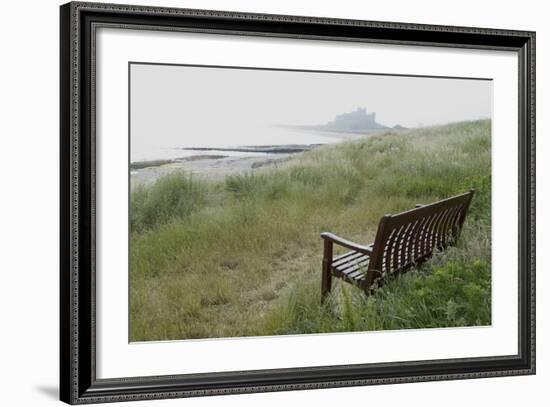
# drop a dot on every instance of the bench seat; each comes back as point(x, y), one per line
point(352, 267)
point(402, 241)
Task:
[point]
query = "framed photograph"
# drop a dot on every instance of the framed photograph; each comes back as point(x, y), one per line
point(255, 203)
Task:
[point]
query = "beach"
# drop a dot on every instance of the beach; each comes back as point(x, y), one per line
point(215, 163)
point(214, 167)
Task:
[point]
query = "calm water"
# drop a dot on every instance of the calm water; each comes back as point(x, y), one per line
point(261, 136)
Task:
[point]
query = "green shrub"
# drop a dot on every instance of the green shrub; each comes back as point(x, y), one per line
point(243, 184)
point(174, 196)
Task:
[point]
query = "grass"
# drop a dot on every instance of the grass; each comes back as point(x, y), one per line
point(242, 257)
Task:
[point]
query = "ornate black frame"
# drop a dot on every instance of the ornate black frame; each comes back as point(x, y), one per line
point(78, 383)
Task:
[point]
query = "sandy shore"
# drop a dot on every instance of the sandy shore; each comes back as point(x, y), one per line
point(214, 165)
point(207, 167)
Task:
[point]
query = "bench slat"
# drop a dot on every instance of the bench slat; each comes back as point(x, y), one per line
point(357, 278)
point(348, 268)
point(349, 257)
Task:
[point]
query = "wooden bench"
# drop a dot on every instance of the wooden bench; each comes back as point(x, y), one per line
point(402, 241)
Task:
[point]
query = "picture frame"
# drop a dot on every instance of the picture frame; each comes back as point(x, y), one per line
point(80, 214)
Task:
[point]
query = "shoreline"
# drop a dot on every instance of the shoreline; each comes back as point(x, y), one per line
point(139, 165)
point(215, 165)
point(268, 149)
point(209, 167)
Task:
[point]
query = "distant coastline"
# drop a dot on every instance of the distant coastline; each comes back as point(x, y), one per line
point(354, 122)
point(216, 166)
point(270, 149)
point(216, 162)
point(321, 128)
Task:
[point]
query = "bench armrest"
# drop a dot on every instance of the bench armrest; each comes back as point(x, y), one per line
point(347, 243)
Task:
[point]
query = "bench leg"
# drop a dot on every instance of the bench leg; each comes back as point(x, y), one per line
point(326, 277)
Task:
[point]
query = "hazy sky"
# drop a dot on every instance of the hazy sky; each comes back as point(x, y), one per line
point(172, 103)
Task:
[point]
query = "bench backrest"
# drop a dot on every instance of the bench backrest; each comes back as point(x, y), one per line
point(407, 238)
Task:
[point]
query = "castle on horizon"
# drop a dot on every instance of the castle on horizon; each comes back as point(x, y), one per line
point(356, 121)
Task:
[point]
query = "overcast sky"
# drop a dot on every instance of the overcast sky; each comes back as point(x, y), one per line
point(169, 103)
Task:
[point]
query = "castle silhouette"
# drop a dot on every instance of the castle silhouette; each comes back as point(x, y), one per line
point(355, 121)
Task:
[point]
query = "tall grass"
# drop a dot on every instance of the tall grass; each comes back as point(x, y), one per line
point(242, 257)
point(174, 196)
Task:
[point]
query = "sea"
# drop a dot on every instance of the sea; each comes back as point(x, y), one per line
point(148, 149)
